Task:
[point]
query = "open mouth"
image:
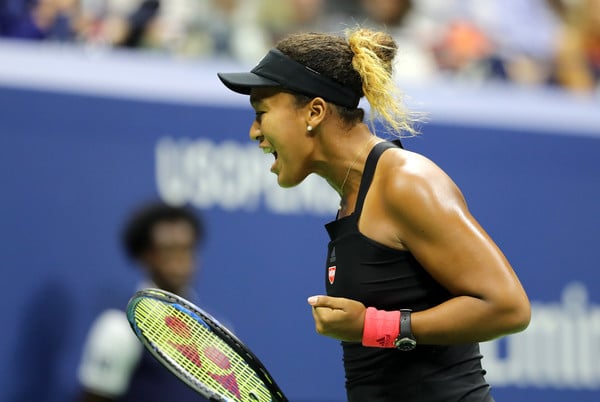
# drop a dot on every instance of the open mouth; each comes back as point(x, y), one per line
point(270, 151)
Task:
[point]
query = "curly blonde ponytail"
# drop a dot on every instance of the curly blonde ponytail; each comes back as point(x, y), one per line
point(374, 53)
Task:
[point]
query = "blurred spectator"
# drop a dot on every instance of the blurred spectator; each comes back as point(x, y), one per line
point(279, 18)
point(163, 240)
point(526, 42)
point(39, 19)
point(138, 23)
point(409, 27)
point(189, 28)
point(509, 40)
point(463, 50)
point(193, 28)
point(273, 19)
point(578, 54)
point(118, 23)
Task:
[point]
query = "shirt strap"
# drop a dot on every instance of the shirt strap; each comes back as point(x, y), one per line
point(369, 172)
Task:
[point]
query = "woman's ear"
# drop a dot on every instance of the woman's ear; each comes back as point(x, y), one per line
point(316, 110)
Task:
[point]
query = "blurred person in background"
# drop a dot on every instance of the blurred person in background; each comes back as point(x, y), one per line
point(39, 19)
point(577, 63)
point(117, 23)
point(503, 40)
point(405, 22)
point(522, 34)
point(138, 24)
point(192, 28)
point(163, 240)
point(180, 28)
point(274, 19)
point(224, 29)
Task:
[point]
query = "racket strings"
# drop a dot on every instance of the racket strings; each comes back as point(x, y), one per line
point(198, 353)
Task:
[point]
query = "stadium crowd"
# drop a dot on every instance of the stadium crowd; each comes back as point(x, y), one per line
point(526, 42)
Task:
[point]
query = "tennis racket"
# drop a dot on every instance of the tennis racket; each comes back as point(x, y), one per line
point(199, 350)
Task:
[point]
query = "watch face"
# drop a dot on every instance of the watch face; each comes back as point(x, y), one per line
point(405, 344)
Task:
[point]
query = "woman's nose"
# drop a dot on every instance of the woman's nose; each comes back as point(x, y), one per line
point(254, 131)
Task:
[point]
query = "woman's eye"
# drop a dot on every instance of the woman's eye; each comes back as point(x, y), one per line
point(258, 117)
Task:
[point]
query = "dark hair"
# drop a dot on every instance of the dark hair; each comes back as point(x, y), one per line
point(361, 61)
point(331, 56)
point(136, 234)
point(328, 54)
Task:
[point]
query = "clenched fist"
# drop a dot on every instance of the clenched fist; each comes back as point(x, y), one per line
point(338, 317)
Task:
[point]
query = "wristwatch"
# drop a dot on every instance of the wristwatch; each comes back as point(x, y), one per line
point(405, 340)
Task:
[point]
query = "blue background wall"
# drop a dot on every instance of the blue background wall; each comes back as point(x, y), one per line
point(74, 161)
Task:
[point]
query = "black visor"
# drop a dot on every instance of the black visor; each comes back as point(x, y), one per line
point(278, 70)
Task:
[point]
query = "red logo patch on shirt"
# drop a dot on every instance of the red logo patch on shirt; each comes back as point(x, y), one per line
point(332, 274)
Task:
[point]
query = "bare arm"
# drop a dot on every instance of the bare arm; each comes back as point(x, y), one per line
point(433, 222)
point(424, 212)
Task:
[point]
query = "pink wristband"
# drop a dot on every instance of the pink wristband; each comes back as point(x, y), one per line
point(381, 328)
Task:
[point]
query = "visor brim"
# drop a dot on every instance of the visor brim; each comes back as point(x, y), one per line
point(243, 83)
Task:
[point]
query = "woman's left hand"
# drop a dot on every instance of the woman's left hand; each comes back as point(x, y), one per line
point(338, 317)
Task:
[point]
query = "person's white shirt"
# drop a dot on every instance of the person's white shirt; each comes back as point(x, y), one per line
point(110, 356)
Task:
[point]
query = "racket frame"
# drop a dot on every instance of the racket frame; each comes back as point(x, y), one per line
point(215, 326)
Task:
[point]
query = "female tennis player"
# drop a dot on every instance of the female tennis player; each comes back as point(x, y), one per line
point(413, 281)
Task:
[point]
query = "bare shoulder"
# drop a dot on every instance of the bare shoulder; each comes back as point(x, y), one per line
point(419, 200)
point(410, 177)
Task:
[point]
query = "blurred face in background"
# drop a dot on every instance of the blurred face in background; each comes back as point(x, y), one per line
point(171, 261)
point(306, 11)
point(390, 12)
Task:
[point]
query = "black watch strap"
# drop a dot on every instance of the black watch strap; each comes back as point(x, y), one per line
point(405, 327)
point(406, 340)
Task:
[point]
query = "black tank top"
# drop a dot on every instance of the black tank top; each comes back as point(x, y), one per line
point(362, 269)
